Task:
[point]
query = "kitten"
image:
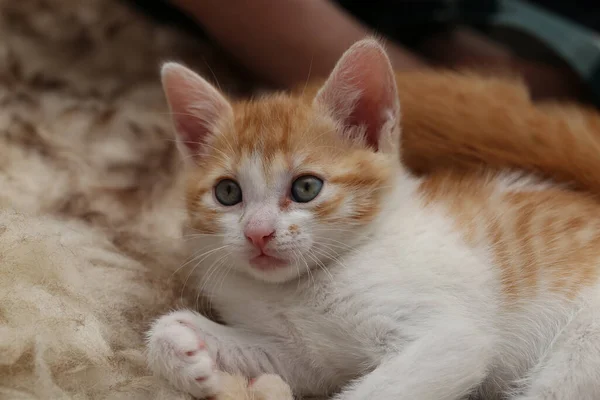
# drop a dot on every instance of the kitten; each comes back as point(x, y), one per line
point(338, 269)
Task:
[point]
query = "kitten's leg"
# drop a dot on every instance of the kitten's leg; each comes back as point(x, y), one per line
point(445, 364)
point(571, 369)
point(186, 348)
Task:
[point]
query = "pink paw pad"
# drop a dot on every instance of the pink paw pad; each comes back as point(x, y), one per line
point(191, 353)
point(201, 345)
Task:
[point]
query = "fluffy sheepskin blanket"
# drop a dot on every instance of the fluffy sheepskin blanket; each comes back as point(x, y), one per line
point(88, 193)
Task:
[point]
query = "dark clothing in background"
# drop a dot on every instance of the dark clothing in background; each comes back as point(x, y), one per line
point(570, 36)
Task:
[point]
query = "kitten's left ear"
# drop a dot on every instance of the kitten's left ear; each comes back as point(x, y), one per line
point(197, 108)
point(361, 92)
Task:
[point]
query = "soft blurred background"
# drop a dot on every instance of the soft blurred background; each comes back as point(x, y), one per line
point(552, 45)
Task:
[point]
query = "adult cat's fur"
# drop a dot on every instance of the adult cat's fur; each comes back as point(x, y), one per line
point(385, 285)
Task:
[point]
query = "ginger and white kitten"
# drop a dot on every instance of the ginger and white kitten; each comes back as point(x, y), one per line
point(336, 268)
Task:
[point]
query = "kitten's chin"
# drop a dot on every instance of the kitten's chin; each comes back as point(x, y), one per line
point(268, 263)
point(272, 270)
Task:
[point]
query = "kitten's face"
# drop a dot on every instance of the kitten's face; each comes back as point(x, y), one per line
point(279, 186)
point(283, 190)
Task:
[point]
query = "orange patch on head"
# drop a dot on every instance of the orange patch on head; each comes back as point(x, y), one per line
point(326, 209)
point(287, 133)
point(275, 126)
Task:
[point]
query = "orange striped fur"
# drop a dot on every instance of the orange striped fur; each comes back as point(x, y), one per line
point(542, 237)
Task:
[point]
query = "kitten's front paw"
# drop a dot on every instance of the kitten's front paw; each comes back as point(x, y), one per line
point(177, 352)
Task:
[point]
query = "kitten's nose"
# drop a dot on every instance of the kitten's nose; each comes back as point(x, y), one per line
point(259, 236)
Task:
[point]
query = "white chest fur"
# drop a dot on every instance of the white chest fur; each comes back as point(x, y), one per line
point(341, 322)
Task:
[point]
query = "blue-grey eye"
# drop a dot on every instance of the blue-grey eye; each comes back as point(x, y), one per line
point(228, 192)
point(306, 188)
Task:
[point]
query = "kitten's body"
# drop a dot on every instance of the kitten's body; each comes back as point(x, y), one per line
point(413, 288)
point(336, 325)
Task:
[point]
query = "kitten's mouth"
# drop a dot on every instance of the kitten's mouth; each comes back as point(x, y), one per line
point(265, 262)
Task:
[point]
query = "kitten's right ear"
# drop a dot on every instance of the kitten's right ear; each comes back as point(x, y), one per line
point(196, 107)
point(361, 93)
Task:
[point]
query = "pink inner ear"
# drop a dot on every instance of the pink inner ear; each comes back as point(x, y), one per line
point(190, 133)
point(370, 111)
point(361, 90)
point(196, 106)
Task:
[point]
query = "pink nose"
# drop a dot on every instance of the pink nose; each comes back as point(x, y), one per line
point(259, 236)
